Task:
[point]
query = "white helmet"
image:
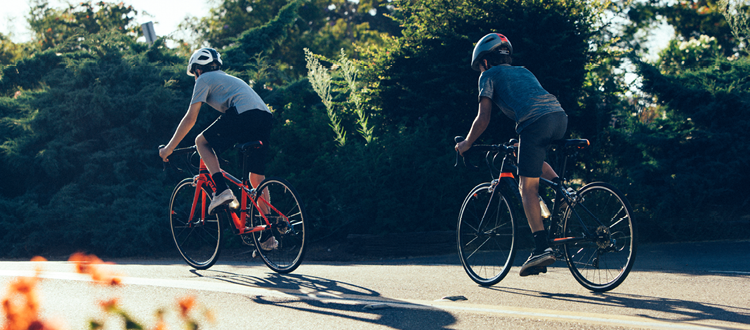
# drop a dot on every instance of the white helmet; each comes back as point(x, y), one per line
point(203, 56)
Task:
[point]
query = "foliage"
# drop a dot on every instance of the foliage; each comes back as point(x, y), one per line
point(322, 83)
point(737, 15)
point(80, 143)
point(688, 165)
point(427, 72)
point(9, 51)
point(690, 19)
point(323, 26)
point(681, 56)
point(54, 27)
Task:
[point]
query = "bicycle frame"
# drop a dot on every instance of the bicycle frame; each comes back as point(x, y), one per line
point(247, 193)
point(561, 195)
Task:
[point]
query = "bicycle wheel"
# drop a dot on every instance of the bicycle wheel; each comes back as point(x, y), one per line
point(601, 215)
point(287, 218)
point(486, 235)
point(198, 238)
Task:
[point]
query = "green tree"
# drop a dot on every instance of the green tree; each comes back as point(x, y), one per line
point(426, 72)
point(9, 51)
point(52, 27)
point(689, 164)
point(324, 26)
point(690, 19)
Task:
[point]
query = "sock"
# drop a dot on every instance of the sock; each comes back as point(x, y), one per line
point(219, 182)
point(540, 241)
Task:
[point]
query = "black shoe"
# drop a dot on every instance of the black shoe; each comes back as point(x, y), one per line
point(537, 261)
point(536, 270)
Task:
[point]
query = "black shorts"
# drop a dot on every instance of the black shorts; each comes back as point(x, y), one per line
point(535, 139)
point(232, 128)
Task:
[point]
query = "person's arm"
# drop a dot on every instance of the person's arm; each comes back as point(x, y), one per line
point(186, 124)
point(478, 126)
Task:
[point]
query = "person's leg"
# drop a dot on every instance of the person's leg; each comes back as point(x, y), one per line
point(256, 179)
point(529, 188)
point(547, 172)
point(532, 150)
point(223, 195)
point(207, 154)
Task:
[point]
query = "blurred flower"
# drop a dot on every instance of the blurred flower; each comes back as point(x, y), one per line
point(186, 304)
point(89, 264)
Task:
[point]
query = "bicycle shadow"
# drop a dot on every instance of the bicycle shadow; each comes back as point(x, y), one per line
point(328, 297)
point(675, 309)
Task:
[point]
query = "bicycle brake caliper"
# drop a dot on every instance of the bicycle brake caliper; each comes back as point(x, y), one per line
point(493, 185)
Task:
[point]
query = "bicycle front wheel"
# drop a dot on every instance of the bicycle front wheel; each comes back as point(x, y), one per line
point(486, 235)
point(196, 234)
point(603, 217)
point(282, 206)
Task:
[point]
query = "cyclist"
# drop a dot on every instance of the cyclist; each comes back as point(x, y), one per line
point(244, 117)
point(539, 120)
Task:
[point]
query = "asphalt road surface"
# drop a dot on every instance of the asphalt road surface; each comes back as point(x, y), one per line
point(672, 286)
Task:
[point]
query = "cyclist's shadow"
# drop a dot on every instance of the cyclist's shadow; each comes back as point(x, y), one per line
point(338, 299)
point(676, 309)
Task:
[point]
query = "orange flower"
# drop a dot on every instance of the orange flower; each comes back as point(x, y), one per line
point(186, 304)
point(21, 306)
point(89, 264)
point(109, 305)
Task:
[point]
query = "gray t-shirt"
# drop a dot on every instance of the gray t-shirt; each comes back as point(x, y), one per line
point(222, 91)
point(517, 92)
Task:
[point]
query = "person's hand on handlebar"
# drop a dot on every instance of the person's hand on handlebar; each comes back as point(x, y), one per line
point(164, 153)
point(462, 146)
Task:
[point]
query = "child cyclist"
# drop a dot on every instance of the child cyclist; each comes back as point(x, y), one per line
point(244, 117)
point(539, 120)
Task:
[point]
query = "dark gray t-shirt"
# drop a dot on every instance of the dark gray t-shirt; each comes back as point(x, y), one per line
point(222, 91)
point(517, 92)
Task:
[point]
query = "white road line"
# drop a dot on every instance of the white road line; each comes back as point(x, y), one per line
point(729, 272)
point(199, 285)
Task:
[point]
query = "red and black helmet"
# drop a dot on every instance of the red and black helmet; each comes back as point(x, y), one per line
point(489, 43)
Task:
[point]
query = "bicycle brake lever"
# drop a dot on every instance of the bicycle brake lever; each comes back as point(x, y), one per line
point(458, 139)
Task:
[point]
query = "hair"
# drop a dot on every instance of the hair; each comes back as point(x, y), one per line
point(497, 58)
point(213, 66)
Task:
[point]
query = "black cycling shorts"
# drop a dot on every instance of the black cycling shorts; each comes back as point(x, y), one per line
point(535, 139)
point(232, 128)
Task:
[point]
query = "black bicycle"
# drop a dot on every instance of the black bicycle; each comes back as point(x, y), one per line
point(592, 228)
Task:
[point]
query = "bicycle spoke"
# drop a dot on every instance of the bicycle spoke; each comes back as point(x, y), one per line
point(603, 261)
point(198, 241)
point(485, 236)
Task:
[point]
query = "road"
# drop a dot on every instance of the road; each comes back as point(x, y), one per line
point(672, 286)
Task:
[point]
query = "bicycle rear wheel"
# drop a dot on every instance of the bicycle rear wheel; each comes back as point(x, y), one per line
point(197, 237)
point(604, 217)
point(486, 235)
point(288, 227)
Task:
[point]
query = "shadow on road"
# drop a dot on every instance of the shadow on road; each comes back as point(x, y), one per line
point(338, 299)
point(675, 310)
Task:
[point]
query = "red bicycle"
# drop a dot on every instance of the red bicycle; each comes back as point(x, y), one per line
point(272, 211)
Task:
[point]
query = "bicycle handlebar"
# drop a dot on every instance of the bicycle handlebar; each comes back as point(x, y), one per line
point(508, 148)
point(179, 152)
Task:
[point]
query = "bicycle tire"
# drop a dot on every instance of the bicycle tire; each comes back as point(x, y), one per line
point(198, 240)
point(486, 252)
point(602, 262)
point(291, 236)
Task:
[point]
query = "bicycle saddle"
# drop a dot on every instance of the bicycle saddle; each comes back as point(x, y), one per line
point(247, 146)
